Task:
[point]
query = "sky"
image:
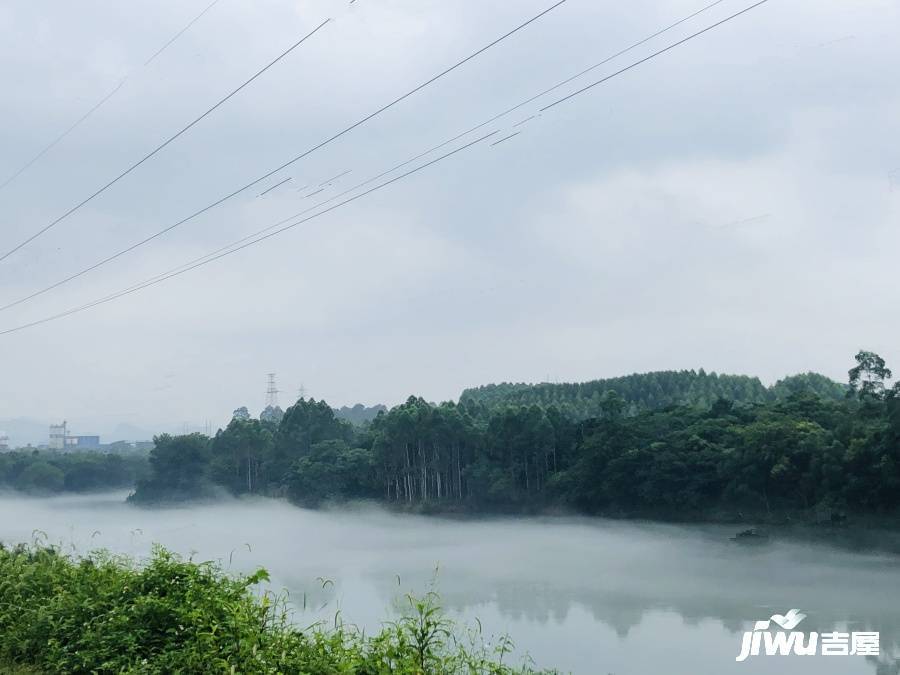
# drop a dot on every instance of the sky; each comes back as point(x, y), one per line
point(731, 204)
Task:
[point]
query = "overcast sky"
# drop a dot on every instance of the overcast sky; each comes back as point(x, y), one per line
point(728, 205)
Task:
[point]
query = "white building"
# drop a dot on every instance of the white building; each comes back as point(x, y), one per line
point(58, 436)
point(4, 442)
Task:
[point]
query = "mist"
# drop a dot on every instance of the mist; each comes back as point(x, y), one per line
point(581, 595)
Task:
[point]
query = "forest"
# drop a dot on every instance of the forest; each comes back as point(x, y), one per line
point(48, 471)
point(650, 391)
point(806, 445)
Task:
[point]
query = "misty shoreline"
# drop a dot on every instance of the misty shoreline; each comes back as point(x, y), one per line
point(865, 532)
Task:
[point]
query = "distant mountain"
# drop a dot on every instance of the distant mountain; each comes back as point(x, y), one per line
point(649, 391)
point(359, 414)
point(22, 431)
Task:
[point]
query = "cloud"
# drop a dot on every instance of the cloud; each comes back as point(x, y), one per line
point(727, 205)
point(736, 260)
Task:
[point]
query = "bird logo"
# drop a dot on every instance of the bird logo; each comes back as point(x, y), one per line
point(788, 621)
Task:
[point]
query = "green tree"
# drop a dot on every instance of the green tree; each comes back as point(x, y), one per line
point(41, 476)
point(332, 470)
point(179, 469)
point(240, 454)
point(304, 424)
point(867, 377)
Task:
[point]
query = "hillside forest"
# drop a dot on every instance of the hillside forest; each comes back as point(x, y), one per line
point(678, 444)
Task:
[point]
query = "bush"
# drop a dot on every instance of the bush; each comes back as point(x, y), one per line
point(106, 614)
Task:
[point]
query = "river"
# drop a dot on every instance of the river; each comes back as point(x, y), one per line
point(587, 596)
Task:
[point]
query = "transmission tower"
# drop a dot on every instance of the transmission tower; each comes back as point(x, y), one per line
point(272, 393)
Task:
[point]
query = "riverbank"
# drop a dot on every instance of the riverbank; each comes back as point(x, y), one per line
point(107, 614)
point(855, 531)
point(879, 533)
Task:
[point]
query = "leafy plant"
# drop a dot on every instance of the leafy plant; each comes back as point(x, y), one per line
point(106, 614)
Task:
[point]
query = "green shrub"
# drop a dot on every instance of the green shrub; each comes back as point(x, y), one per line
point(107, 614)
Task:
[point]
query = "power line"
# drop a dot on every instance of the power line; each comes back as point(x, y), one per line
point(569, 79)
point(100, 103)
point(392, 169)
point(516, 107)
point(505, 138)
point(160, 278)
point(181, 32)
point(260, 236)
point(269, 174)
point(457, 137)
point(65, 133)
point(258, 233)
point(654, 55)
point(277, 185)
point(334, 178)
point(162, 145)
point(543, 93)
point(244, 243)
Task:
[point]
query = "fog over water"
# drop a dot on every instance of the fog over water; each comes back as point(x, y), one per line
point(583, 595)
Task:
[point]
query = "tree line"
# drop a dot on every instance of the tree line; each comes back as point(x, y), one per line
point(800, 447)
point(651, 391)
point(47, 471)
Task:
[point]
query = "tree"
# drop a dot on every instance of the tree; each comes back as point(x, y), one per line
point(240, 454)
point(670, 443)
point(612, 405)
point(272, 415)
point(813, 383)
point(332, 470)
point(424, 452)
point(304, 424)
point(179, 467)
point(41, 477)
point(868, 376)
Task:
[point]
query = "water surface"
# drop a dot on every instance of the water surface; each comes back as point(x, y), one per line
point(588, 596)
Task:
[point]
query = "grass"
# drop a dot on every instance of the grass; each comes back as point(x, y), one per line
point(108, 614)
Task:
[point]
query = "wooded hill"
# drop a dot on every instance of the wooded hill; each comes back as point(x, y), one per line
point(651, 391)
point(789, 449)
